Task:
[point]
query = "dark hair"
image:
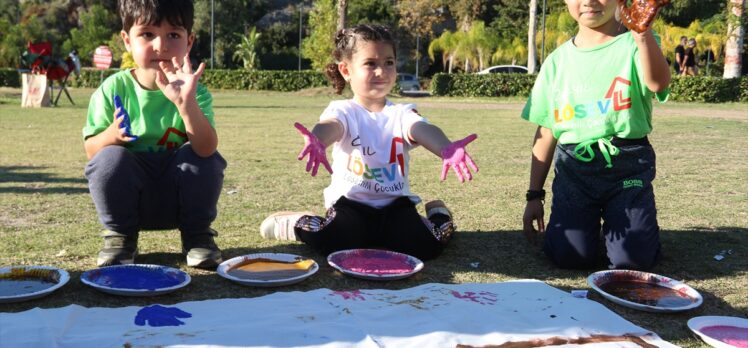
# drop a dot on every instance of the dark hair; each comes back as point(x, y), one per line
point(179, 13)
point(346, 41)
point(683, 38)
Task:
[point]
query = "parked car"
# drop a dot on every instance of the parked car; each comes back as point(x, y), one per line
point(408, 82)
point(504, 69)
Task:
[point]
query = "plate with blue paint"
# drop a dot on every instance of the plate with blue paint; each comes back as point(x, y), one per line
point(136, 280)
point(22, 283)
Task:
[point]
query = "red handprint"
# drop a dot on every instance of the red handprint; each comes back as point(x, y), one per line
point(640, 15)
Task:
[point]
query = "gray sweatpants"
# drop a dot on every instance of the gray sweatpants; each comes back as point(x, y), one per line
point(621, 196)
point(173, 189)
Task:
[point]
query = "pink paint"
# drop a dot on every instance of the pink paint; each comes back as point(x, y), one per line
point(483, 297)
point(376, 265)
point(350, 295)
point(732, 335)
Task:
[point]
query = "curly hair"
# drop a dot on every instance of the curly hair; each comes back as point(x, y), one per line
point(346, 41)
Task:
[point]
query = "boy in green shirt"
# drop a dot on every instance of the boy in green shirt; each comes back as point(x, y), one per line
point(592, 102)
point(153, 159)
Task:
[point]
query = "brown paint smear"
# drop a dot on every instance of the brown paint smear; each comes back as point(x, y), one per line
point(647, 294)
point(557, 341)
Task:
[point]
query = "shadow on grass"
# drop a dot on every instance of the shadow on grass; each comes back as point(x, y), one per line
point(35, 180)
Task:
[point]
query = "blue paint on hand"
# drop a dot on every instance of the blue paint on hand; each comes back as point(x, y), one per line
point(126, 118)
point(157, 315)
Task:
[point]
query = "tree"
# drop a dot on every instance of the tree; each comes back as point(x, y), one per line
point(96, 29)
point(246, 50)
point(735, 37)
point(318, 46)
point(465, 12)
point(447, 44)
point(342, 11)
point(531, 50)
point(419, 16)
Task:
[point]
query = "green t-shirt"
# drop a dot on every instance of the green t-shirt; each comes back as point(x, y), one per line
point(153, 117)
point(584, 94)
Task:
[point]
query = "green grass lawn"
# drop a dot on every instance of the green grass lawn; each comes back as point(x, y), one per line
point(47, 216)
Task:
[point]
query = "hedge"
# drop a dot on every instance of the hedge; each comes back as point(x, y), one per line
point(688, 89)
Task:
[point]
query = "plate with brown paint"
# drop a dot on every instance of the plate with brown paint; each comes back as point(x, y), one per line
point(21, 283)
point(645, 291)
point(268, 269)
point(721, 331)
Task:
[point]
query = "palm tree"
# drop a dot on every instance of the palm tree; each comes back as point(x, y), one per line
point(735, 36)
point(482, 43)
point(446, 43)
point(246, 50)
point(531, 49)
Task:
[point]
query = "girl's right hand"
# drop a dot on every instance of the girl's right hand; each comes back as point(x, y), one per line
point(533, 213)
point(314, 148)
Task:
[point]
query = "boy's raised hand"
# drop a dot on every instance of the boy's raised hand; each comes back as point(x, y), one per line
point(177, 81)
point(314, 148)
point(456, 157)
point(640, 15)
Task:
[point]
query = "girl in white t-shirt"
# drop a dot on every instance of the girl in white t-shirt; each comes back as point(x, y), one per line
point(369, 200)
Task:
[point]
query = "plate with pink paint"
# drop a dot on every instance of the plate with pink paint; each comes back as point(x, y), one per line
point(720, 331)
point(375, 264)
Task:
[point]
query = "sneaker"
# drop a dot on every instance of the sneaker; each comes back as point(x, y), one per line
point(119, 249)
point(436, 208)
point(280, 225)
point(201, 250)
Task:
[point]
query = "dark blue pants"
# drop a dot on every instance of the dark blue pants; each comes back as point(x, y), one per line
point(166, 190)
point(622, 197)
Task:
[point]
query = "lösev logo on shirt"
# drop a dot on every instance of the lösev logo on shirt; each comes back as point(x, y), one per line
point(357, 166)
point(632, 183)
point(614, 96)
point(171, 139)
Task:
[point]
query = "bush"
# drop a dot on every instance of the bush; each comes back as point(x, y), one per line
point(10, 78)
point(705, 89)
point(275, 80)
point(488, 85)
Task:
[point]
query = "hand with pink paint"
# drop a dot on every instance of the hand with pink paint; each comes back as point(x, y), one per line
point(456, 157)
point(314, 148)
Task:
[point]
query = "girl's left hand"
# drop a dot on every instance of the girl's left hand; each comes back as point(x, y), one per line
point(456, 157)
point(178, 82)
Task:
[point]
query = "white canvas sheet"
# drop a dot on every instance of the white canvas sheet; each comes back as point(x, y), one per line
point(430, 315)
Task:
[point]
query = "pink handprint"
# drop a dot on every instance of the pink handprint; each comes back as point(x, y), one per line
point(314, 148)
point(456, 157)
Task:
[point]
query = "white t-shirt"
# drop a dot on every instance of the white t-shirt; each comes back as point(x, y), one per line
point(370, 162)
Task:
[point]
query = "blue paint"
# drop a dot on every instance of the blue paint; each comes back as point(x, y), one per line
point(126, 120)
point(135, 277)
point(160, 316)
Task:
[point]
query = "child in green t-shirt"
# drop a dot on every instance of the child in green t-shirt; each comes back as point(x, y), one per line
point(592, 102)
point(150, 139)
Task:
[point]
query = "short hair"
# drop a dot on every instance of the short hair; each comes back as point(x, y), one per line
point(346, 41)
point(683, 38)
point(179, 13)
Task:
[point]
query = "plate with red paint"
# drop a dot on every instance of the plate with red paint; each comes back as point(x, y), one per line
point(21, 283)
point(375, 264)
point(136, 280)
point(645, 291)
point(721, 331)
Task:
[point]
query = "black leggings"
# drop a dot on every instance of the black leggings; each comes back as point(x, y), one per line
point(397, 227)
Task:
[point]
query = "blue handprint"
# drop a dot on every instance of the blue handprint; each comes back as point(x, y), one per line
point(126, 120)
point(160, 316)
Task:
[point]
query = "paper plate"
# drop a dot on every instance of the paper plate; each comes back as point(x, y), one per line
point(644, 291)
point(270, 269)
point(136, 280)
point(721, 332)
point(374, 264)
point(21, 283)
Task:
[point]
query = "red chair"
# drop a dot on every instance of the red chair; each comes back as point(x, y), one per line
point(38, 57)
